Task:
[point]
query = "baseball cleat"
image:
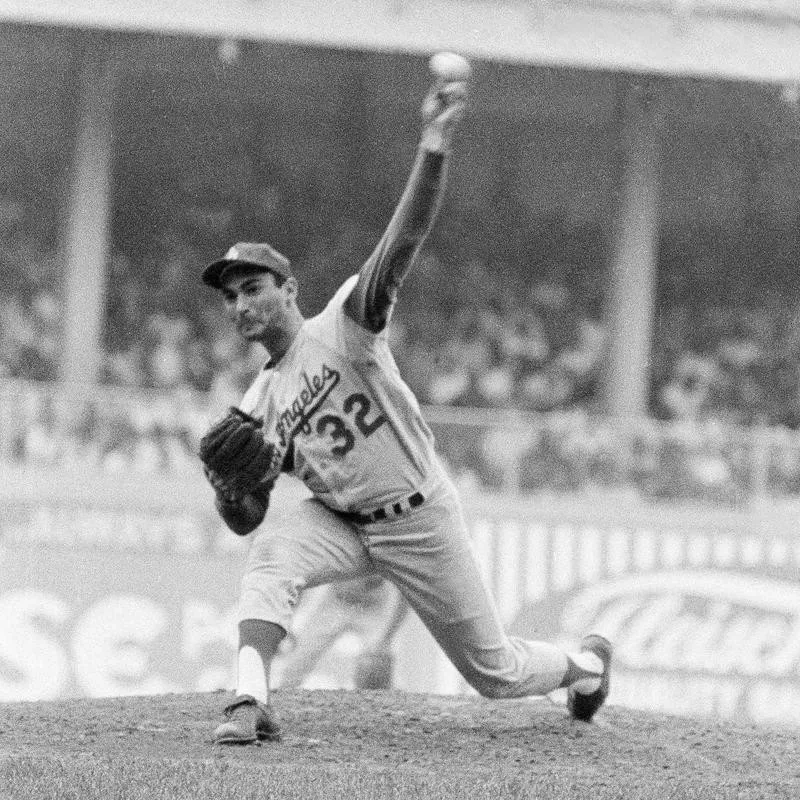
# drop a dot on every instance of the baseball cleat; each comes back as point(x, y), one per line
point(248, 721)
point(584, 706)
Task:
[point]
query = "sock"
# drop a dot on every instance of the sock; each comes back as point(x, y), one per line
point(258, 643)
point(584, 671)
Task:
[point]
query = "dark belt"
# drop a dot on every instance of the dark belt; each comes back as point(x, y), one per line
point(385, 512)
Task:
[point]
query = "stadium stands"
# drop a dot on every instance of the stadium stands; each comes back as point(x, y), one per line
point(518, 306)
point(502, 339)
point(725, 383)
point(560, 453)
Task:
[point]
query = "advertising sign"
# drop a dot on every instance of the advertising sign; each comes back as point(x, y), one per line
point(705, 617)
point(100, 603)
point(704, 608)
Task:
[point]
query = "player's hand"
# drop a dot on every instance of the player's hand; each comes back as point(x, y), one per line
point(442, 109)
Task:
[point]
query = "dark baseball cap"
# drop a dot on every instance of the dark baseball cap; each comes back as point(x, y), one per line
point(258, 255)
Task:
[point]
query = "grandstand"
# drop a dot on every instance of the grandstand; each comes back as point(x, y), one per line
point(603, 329)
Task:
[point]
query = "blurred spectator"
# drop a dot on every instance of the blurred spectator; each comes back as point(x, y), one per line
point(30, 336)
point(689, 389)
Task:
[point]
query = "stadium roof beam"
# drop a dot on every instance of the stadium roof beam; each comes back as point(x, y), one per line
point(738, 39)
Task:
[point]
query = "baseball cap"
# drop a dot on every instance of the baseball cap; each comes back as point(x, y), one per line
point(250, 254)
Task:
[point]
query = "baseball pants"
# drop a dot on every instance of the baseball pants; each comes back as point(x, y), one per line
point(427, 554)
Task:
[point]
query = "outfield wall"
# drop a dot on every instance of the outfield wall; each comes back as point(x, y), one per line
point(704, 607)
point(123, 584)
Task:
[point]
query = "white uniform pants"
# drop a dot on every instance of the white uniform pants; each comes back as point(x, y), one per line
point(427, 554)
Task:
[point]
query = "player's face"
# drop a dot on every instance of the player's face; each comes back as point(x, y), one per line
point(256, 305)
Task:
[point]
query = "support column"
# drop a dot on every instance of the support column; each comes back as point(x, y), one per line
point(86, 232)
point(634, 254)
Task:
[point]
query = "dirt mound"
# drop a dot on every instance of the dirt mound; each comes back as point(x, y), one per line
point(532, 742)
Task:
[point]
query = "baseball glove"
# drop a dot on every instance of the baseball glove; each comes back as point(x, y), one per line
point(235, 454)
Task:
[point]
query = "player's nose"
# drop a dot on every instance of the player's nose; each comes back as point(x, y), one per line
point(242, 305)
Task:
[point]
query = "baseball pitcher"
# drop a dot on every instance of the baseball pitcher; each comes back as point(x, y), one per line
point(330, 407)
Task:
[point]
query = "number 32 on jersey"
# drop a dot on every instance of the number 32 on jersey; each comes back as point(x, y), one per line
point(358, 409)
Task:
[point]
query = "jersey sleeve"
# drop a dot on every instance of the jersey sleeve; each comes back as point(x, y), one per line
point(337, 328)
point(371, 300)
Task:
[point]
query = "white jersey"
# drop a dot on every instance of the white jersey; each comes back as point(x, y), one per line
point(337, 399)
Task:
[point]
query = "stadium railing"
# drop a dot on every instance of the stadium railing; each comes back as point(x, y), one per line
point(569, 453)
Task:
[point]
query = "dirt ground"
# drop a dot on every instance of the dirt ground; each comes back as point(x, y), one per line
point(456, 735)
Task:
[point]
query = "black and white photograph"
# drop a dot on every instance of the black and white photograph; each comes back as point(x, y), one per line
point(400, 399)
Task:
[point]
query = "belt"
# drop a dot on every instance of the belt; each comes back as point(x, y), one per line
point(386, 512)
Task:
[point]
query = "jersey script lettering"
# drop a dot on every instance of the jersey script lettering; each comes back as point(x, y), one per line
point(298, 415)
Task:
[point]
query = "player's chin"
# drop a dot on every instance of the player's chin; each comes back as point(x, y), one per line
point(250, 331)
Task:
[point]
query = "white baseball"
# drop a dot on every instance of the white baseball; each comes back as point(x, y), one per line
point(450, 67)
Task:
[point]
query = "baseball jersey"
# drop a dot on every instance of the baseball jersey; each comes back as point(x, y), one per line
point(336, 397)
point(335, 403)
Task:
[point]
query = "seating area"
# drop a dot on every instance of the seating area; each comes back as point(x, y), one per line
point(473, 333)
point(514, 339)
point(559, 453)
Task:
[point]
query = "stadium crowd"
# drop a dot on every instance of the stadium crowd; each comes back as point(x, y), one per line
point(502, 342)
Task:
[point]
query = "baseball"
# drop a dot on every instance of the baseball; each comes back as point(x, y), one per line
point(450, 67)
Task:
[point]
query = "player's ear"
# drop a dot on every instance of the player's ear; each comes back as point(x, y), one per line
point(291, 287)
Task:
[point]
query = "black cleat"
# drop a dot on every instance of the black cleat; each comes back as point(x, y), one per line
point(248, 721)
point(585, 706)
